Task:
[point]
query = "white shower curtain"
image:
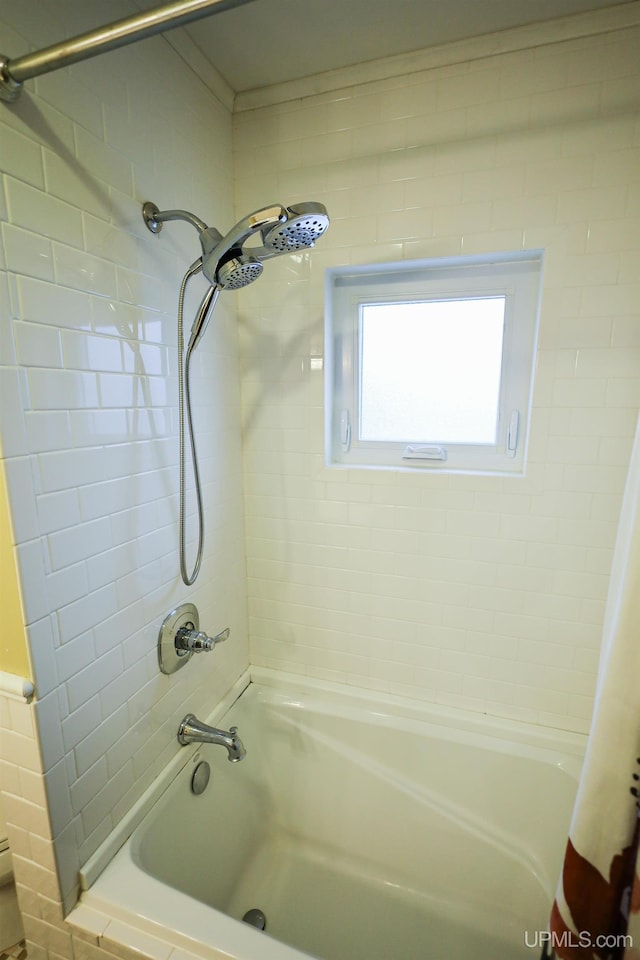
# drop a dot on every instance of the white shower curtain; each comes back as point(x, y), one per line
point(596, 914)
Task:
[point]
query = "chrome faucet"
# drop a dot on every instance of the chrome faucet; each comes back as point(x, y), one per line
point(192, 730)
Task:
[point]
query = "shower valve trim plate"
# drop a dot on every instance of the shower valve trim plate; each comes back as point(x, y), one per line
point(180, 637)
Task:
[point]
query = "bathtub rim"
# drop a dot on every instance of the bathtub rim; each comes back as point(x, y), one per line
point(379, 704)
point(117, 929)
point(427, 711)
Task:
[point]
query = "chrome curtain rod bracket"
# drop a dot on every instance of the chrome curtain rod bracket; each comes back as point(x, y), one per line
point(13, 73)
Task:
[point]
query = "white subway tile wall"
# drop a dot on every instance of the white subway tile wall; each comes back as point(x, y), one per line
point(88, 422)
point(481, 592)
point(477, 592)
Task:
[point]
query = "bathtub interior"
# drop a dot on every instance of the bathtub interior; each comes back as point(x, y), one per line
point(364, 833)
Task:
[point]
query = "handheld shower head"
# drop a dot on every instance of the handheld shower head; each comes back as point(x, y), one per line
point(229, 248)
point(237, 271)
point(202, 317)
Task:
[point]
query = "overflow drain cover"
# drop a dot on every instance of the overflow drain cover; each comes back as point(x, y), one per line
point(256, 918)
point(200, 778)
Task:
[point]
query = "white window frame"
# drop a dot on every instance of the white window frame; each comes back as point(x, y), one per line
point(516, 276)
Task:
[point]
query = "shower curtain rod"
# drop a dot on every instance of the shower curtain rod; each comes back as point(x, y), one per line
point(113, 35)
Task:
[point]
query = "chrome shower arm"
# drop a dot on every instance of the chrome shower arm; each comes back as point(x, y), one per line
point(154, 218)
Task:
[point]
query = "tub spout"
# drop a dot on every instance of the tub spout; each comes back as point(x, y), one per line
point(192, 730)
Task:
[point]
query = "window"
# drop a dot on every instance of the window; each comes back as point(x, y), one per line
point(429, 363)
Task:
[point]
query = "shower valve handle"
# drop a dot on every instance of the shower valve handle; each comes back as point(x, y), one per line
point(195, 641)
point(180, 637)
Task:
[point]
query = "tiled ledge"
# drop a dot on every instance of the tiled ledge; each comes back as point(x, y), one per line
point(97, 936)
point(19, 687)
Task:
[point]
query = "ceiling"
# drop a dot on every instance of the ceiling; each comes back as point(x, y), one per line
point(271, 41)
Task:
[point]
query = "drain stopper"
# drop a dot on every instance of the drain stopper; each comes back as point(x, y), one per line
point(256, 918)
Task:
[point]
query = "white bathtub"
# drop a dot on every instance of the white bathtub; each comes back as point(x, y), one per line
point(362, 826)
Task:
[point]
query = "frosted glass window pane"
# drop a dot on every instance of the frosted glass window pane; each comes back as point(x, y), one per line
point(430, 370)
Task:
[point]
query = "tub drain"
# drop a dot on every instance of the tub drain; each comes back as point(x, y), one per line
point(256, 918)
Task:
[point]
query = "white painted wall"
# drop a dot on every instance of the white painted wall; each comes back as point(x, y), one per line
point(478, 592)
point(89, 426)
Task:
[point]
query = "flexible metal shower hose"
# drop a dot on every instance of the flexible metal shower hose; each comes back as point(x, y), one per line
point(184, 391)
